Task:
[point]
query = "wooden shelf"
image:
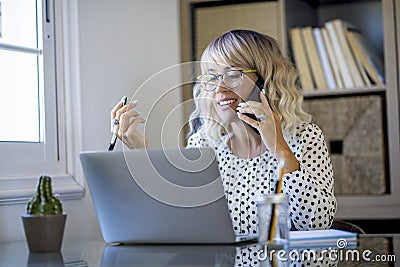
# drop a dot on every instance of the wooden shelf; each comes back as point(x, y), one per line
point(343, 92)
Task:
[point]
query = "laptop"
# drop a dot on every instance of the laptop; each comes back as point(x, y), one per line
point(159, 196)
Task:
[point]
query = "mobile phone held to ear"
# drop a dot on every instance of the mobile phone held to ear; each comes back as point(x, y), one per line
point(255, 94)
point(114, 138)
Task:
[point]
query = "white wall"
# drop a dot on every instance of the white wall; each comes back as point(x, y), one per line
point(122, 43)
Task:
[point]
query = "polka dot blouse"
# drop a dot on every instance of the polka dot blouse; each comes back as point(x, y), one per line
point(310, 189)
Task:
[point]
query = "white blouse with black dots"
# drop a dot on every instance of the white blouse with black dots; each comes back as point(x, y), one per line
point(310, 189)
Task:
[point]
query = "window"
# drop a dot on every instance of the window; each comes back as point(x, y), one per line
point(32, 124)
point(21, 70)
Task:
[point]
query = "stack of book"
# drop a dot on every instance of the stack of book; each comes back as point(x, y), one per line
point(336, 56)
point(331, 238)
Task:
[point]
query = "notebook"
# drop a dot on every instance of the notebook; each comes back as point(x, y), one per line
point(322, 238)
point(159, 196)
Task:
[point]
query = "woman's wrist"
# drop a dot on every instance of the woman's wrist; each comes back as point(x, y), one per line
point(285, 154)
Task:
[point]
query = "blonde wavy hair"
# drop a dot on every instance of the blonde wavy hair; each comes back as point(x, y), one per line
point(251, 50)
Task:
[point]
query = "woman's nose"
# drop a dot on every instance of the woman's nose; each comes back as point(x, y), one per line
point(220, 86)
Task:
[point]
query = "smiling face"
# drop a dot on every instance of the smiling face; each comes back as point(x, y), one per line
point(226, 100)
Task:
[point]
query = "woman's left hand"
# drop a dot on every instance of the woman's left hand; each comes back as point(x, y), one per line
point(269, 126)
point(268, 123)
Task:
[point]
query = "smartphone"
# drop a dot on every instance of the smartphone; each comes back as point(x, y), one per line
point(255, 95)
point(114, 138)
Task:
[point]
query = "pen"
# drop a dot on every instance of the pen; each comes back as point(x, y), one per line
point(281, 172)
point(114, 138)
point(274, 213)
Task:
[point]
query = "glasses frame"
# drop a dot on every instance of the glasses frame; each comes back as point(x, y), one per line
point(219, 76)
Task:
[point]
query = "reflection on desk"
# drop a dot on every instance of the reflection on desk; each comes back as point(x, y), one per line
point(131, 255)
point(373, 250)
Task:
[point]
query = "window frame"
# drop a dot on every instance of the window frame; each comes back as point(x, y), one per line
point(61, 159)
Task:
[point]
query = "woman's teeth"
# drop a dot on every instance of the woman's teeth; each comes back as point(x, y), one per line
point(227, 102)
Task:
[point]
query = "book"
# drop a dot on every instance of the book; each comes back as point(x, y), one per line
point(332, 58)
point(340, 27)
point(323, 55)
point(313, 57)
point(339, 55)
point(322, 238)
point(300, 58)
point(357, 60)
point(368, 58)
point(363, 73)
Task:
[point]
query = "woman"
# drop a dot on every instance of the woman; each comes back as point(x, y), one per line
point(251, 138)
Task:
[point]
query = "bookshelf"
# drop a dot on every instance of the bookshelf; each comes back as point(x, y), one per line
point(369, 190)
point(342, 92)
point(378, 104)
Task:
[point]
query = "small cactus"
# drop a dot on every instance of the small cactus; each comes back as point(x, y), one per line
point(44, 202)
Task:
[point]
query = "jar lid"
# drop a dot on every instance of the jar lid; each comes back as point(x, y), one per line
point(271, 198)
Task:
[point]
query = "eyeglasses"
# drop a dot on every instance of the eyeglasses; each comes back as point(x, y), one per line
point(231, 79)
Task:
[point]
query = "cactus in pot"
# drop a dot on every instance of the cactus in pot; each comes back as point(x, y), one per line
point(44, 202)
point(44, 220)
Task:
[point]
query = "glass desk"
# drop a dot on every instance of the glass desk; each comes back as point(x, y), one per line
point(373, 250)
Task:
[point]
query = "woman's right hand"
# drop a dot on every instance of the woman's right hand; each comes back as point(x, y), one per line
point(126, 129)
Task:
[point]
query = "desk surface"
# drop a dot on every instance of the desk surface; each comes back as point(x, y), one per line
point(373, 250)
